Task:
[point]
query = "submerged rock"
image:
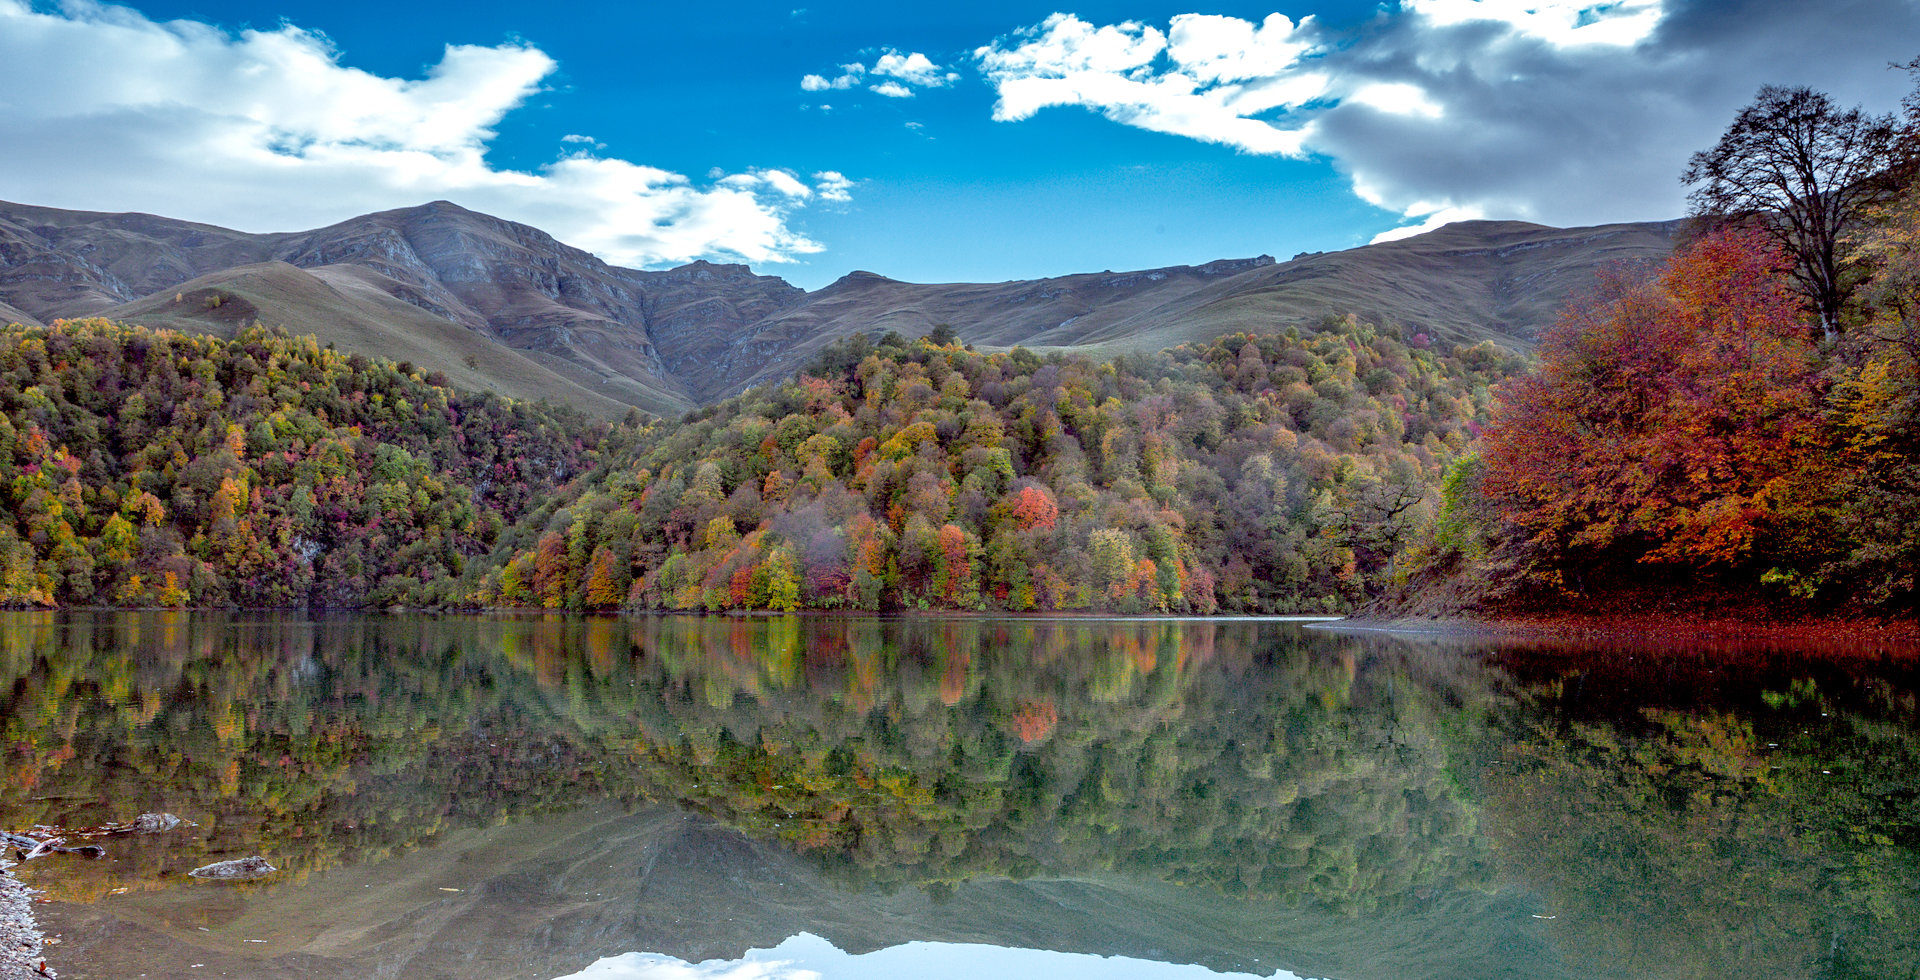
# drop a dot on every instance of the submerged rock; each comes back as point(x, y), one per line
point(154, 823)
point(241, 869)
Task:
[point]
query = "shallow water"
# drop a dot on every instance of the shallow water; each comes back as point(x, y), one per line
point(854, 797)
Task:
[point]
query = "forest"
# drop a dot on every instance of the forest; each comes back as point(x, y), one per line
point(1278, 473)
point(1259, 474)
point(154, 468)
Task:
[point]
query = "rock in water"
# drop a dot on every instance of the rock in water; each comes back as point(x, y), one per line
point(242, 869)
point(154, 823)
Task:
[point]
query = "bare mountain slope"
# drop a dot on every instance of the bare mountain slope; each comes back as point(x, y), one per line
point(338, 304)
point(12, 314)
point(1470, 281)
point(507, 284)
point(504, 306)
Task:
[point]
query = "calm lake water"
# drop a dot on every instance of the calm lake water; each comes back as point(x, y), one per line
point(467, 797)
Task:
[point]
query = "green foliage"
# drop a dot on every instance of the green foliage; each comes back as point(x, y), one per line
point(1736, 820)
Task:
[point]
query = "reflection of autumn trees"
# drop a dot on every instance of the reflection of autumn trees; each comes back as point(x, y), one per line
point(1215, 754)
point(1212, 754)
point(1753, 816)
point(1705, 812)
point(317, 745)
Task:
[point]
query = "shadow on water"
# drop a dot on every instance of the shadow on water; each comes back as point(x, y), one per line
point(455, 796)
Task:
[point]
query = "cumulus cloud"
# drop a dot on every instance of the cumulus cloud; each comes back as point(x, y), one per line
point(1560, 111)
point(850, 75)
point(893, 75)
point(833, 187)
point(267, 130)
point(913, 69)
point(1206, 78)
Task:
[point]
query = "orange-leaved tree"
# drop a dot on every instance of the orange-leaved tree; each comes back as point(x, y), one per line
point(1672, 420)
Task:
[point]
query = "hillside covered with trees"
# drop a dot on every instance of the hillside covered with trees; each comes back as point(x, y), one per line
point(1275, 473)
point(147, 468)
point(1256, 474)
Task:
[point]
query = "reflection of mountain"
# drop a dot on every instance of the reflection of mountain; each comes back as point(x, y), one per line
point(549, 896)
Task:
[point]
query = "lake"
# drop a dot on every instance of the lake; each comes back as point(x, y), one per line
point(678, 797)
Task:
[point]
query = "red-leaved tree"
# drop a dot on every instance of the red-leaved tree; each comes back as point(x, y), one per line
point(1670, 421)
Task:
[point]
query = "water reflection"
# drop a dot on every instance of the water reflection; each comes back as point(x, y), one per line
point(808, 957)
point(1325, 804)
point(1696, 810)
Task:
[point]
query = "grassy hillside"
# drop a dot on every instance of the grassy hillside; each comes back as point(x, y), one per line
point(439, 284)
point(352, 313)
point(1503, 281)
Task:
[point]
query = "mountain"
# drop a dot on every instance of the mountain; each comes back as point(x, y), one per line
point(503, 306)
point(546, 319)
point(1470, 281)
point(347, 306)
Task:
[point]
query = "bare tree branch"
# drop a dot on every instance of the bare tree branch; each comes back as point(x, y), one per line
point(1805, 168)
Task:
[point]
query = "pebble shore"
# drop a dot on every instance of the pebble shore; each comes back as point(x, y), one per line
point(21, 944)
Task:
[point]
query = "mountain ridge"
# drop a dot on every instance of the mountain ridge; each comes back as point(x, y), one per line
point(515, 310)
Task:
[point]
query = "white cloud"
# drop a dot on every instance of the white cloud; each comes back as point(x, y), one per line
point(1561, 111)
point(833, 186)
point(1398, 98)
point(850, 75)
point(808, 957)
point(786, 183)
point(913, 69)
point(1434, 219)
point(1213, 49)
point(1197, 86)
point(899, 74)
point(267, 130)
point(657, 966)
point(1562, 23)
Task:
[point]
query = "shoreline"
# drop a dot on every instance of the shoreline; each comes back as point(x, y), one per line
point(22, 944)
point(1641, 626)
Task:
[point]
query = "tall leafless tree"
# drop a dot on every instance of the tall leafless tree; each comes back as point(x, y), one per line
point(1805, 168)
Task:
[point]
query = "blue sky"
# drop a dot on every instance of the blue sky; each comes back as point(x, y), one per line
point(1019, 139)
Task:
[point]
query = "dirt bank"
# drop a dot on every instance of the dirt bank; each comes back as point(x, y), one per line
point(1890, 633)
